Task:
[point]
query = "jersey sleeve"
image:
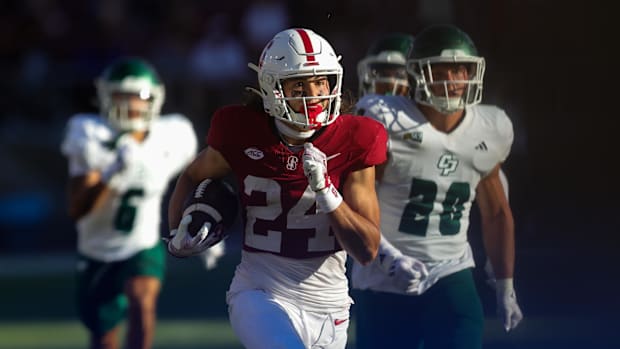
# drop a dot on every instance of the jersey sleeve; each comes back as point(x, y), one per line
point(375, 107)
point(506, 133)
point(216, 136)
point(365, 138)
point(76, 146)
point(181, 129)
point(74, 137)
point(229, 124)
point(377, 152)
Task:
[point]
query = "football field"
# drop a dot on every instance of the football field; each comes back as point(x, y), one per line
point(37, 309)
point(66, 334)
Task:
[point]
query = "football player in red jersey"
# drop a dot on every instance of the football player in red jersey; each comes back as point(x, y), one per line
point(306, 179)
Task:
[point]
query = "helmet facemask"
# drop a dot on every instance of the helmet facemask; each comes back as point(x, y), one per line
point(444, 59)
point(313, 115)
point(385, 73)
point(425, 83)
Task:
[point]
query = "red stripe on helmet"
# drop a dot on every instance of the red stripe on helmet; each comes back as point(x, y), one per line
point(305, 38)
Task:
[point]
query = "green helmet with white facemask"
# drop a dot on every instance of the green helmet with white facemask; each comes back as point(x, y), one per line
point(130, 76)
point(385, 62)
point(445, 44)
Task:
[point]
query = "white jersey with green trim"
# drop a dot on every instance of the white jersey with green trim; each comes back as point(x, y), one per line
point(129, 219)
point(430, 179)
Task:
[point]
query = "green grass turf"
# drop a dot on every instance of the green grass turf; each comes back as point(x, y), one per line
point(215, 333)
point(37, 311)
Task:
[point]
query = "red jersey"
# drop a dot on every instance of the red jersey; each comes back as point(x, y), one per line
point(278, 207)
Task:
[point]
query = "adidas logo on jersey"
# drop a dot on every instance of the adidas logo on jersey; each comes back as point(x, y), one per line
point(482, 146)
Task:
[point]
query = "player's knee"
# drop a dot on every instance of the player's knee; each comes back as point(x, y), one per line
point(142, 292)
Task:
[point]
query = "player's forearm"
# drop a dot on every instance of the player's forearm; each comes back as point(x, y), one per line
point(356, 234)
point(175, 206)
point(85, 194)
point(498, 239)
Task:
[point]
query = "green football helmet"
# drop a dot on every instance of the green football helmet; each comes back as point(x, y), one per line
point(445, 44)
point(130, 76)
point(385, 63)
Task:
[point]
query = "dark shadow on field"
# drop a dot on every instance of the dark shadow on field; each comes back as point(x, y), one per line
point(192, 291)
point(566, 279)
point(189, 291)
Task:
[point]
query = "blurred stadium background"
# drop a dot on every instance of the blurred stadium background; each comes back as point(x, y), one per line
point(547, 66)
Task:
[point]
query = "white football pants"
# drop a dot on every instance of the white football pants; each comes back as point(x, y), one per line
point(263, 322)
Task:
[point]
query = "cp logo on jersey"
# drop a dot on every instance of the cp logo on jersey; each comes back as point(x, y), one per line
point(447, 163)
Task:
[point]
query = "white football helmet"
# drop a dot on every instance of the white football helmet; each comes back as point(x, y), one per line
point(130, 76)
point(445, 44)
point(296, 53)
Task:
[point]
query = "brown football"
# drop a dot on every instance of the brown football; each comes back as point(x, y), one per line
point(212, 201)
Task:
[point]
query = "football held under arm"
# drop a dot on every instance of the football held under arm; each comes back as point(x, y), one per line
point(211, 207)
point(209, 163)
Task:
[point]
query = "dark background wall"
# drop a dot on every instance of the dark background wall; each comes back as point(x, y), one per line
point(549, 65)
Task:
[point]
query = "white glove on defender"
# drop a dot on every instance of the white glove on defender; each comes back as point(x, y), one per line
point(407, 272)
point(506, 299)
point(181, 244)
point(127, 154)
point(507, 308)
point(315, 168)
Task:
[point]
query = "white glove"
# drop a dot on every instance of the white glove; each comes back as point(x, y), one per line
point(506, 299)
point(181, 244)
point(507, 308)
point(407, 272)
point(211, 256)
point(127, 154)
point(315, 168)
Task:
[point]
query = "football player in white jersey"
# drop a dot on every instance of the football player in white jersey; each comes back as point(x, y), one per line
point(445, 151)
point(306, 182)
point(121, 162)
